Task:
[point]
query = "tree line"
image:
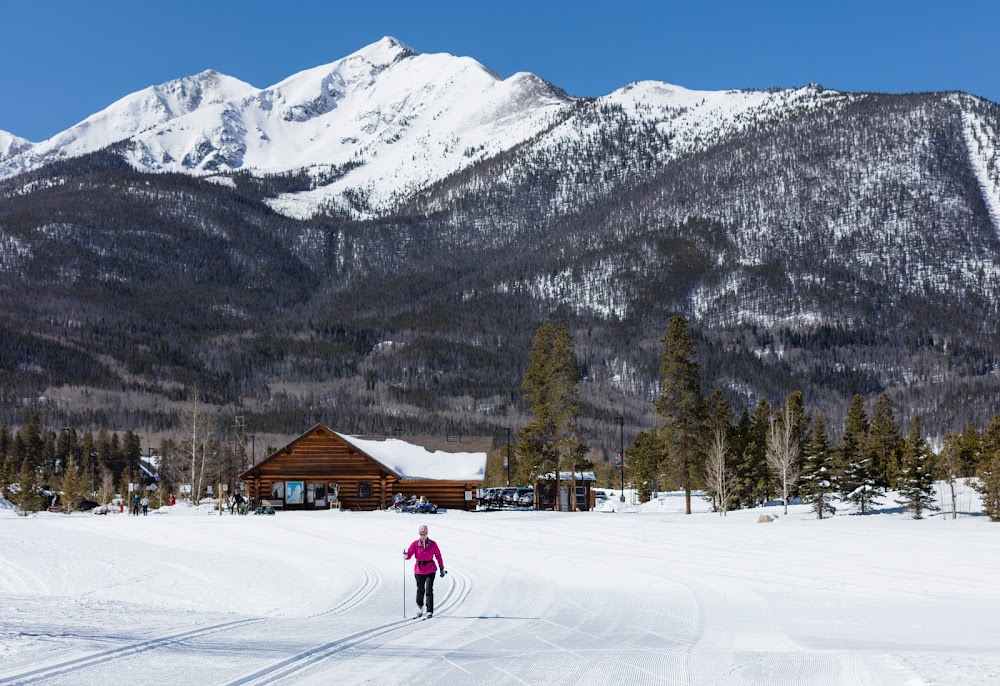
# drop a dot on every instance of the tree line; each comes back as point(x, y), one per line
point(744, 461)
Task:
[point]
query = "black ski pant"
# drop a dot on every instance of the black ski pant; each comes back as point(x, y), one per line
point(425, 587)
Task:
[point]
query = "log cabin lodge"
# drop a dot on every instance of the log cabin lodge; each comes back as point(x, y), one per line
point(322, 469)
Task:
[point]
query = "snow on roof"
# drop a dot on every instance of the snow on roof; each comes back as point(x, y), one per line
point(416, 462)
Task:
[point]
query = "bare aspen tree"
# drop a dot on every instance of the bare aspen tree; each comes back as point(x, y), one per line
point(783, 450)
point(197, 428)
point(720, 479)
point(106, 489)
point(950, 458)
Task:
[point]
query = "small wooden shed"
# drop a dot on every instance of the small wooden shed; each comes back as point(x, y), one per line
point(580, 484)
point(323, 468)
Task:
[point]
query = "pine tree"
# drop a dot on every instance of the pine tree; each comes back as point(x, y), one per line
point(819, 479)
point(645, 463)
point(886, 443)
point(989, 470)
point(681, 406)
point(740, 462)
point(968, 451)
point(6, 476)
point(30, 439)
point(857, 481)
point(551, 440)
point(28, 498)
point(916, 474)
point(70, 485)
point(5, 443)
point(762, 489)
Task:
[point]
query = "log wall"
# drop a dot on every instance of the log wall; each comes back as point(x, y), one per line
point(321, 457)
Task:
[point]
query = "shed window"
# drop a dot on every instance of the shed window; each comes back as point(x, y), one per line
point(365, 489)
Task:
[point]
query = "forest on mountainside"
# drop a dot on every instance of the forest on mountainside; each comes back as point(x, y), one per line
point(841, 250)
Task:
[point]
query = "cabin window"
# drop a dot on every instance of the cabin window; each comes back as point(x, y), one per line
point(365, 489)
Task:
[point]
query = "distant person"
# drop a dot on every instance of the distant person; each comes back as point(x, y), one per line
point(145, 505)
point(135, 505)
point(172, 501)
point(426, 551)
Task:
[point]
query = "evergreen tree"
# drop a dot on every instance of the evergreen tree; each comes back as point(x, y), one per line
point(88, 462)
point(681, 407)
point(70, 485)
point(132, 451)
point(28, 498)
point(761, 485)
point(989, 470)
point(645, 463)
point(916, 474)
point(5, 443)
point(739, 462)
point(551, 440)
point(857, 481)
point(6, 476)
point(30, 436)
point(49, 457)
point(886, 443)
point(819, 478)
point(968, 451)
point(103, 447)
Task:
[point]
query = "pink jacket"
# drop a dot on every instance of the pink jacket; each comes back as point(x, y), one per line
point(425, 553)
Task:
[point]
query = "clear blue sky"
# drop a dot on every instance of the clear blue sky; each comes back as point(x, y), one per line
point(62, 61)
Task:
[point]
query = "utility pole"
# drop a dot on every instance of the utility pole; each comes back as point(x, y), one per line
point(506, 460)
point(621, 454)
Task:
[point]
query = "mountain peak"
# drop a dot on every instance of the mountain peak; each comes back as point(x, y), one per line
point(384, 51)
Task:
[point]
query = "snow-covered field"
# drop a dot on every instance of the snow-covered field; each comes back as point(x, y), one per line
point(631, 597)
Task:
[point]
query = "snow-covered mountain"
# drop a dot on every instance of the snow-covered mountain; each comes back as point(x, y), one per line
point(377, 126)
point(11, 144)
point(132, 117)
point(798, 228)
point(399, 120)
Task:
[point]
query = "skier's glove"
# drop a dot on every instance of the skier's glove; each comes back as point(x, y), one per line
point(405, 556)
point(442, 573)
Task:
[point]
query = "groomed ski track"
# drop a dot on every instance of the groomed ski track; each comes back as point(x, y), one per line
point(318, 598)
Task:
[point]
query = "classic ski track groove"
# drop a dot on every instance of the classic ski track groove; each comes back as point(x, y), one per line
point(290, 666)
point(372, 580)
point(107, 656)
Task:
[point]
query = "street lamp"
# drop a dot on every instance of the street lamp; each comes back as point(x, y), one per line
point(621, 424)
point(506, 460)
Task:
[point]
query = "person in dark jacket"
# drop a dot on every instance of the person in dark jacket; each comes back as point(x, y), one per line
point(426, 551)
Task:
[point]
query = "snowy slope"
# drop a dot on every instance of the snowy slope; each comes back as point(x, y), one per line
point(11, 144)
point(642, 596)
point(134, 114)
point(402, 120)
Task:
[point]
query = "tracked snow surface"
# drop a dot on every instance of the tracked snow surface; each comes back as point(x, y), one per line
point(643, 595)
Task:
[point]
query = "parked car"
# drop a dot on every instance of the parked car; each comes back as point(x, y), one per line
point(526, 499)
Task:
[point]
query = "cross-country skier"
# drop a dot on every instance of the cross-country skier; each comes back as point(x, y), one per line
point(425, 550)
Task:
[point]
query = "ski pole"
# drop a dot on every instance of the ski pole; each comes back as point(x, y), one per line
point(404, 588)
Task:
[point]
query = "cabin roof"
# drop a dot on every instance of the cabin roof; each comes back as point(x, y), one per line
point(411, 458)
point(427, 457)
